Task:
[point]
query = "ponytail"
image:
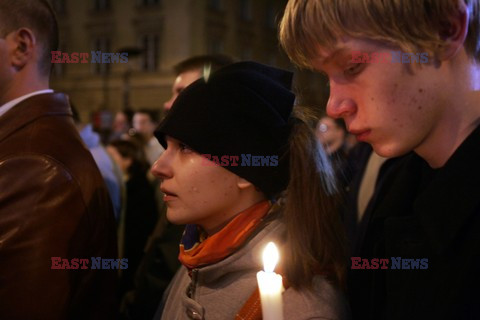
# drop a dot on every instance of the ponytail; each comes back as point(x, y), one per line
point(315, 236)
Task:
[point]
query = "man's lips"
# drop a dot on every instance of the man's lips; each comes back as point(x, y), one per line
point(361, 134)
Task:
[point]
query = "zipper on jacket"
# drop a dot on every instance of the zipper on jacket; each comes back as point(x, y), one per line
point(193, 283)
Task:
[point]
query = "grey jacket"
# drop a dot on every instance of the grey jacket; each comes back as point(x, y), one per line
point(219, 291)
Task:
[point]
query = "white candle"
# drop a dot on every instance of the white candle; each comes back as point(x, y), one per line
point(270, 285)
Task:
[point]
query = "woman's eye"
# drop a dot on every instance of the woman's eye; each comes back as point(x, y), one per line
point(184, 148)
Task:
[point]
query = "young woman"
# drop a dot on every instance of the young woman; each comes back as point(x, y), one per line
point(241, 170)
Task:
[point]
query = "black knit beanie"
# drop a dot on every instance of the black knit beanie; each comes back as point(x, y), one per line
point(242, 111)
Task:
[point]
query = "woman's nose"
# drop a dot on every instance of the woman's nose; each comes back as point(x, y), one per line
point(162, 168)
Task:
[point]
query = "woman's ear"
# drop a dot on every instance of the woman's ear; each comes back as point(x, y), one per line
point(454, 32)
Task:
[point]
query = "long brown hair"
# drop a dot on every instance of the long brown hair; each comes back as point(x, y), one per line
point(315, 236)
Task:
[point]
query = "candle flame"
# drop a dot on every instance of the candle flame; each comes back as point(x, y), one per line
point(270, 257)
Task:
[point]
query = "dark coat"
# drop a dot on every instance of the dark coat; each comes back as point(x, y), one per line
point(425, 214)
point(140, 218)
point(358, 161)
point(53, 203)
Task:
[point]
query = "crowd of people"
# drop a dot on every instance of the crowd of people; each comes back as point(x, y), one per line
point(384, 228)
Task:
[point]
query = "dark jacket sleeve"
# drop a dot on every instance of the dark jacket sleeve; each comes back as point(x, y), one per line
point(44, 215)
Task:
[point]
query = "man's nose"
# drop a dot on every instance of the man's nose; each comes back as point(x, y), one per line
point(340, 104)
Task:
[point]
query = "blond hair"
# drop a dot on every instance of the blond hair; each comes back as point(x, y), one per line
point(410, 25)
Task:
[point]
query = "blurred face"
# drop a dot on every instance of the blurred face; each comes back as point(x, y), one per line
point(194, 192)
point(122, 163)
point(120, 123)
point(144, 125)
point(181, 82)
point(330, 135)
point(393, 108)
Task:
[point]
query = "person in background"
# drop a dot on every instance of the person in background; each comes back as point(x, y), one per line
point(144, 122)
point(54, 207)
point(108, 168)
point(140, 206)
point(229, 210)
point(191, 69)
point(332, 134)
point(122, 124)
point(421, 102)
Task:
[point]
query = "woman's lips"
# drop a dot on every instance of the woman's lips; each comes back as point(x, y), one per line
point(167, 198)
point(167, 195)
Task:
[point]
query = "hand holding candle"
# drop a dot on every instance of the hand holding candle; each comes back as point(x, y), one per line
point(270, 285)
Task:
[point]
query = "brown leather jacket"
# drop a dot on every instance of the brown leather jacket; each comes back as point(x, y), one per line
point(53, 203)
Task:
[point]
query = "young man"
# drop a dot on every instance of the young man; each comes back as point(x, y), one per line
point(144, 122)
point(191, 69)
point(55, 212)
point(427, 220)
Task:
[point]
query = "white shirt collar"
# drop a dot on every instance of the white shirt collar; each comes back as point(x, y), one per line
point(9, 105)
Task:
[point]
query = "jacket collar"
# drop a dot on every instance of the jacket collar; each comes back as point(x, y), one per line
point(31, 109)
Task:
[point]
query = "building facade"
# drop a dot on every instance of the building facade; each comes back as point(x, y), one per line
point(157, 34)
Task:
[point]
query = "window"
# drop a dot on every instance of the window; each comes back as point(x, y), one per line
point(150, 44)
point(101, 44)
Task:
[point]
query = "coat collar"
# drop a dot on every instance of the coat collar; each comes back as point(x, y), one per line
point(31, 109)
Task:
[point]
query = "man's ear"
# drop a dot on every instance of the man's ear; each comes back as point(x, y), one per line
point(23, 43)
point(243, 184)
point(454, 32)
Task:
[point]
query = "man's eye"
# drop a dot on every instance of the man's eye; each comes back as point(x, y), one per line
point(354, 69)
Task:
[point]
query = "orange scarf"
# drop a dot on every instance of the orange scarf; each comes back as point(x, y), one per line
point(196, 250)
